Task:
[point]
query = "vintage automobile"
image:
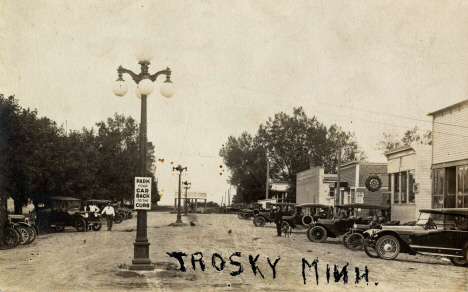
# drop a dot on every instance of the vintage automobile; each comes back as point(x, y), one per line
point(249, 212)
point(440, 232)
point(59, 212)
point(268, 216)
point(345, 218)
point(25, 226)
point(311, 212)
point(234, 208)
point(377, 215)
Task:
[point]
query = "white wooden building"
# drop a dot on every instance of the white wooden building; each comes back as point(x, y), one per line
point(450, 156)
point(409, 177)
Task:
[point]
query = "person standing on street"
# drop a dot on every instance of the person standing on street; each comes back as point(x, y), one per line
point(278, 220)
point(109, 212)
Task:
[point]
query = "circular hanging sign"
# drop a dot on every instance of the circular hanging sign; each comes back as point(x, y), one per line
point(373, 183)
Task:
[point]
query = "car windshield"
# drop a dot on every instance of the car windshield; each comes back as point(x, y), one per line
point(423, 218)
point(74, 205)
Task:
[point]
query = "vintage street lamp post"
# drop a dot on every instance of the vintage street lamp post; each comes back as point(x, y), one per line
point(146, 86)
point(179, 222)
point(186, 187)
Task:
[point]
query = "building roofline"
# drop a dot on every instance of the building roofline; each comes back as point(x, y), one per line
point(398, 149)
point(448, 107)
point(362, 163)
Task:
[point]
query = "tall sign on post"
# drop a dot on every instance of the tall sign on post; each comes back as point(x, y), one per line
point(142, 193)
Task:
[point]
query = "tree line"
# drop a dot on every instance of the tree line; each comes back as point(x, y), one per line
point(291, 144)
point(39, 159)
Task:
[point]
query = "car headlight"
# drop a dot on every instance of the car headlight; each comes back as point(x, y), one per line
point(86, 215)
point(354, 225)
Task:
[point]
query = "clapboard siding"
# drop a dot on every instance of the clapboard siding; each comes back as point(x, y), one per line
point(450, 140)
point(348, 175)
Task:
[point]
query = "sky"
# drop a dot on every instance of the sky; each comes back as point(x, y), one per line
point(371, 67)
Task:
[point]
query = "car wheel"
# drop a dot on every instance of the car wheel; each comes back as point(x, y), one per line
point(240, 215)
point(96, 226)
point(355, 241)
point(124, 216)
point(317, 234)
point(12, 238)
point(460, 262)
point(259, 221)
point(345, 239)
point(130, 215)
point(369, 249)
point(32, 234)
point(246, 216)
point(387, 247)
point(117, 219)
point(80, 225)
point(306, 220)
point(24, 232)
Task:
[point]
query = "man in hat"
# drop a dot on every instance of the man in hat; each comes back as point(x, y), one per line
point(109, 212)
point(278, 220)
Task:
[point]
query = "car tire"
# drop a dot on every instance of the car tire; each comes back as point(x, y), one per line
point(240, 215)
point(246, 216)
point(317, 234)
point(355, 241)
point(259, 221)
point(12, 238)
point(96, 226)
point(459, 262)
point(124, 215)
point(388, 247)
point(80, 225)
point(307, 219)
point(117, 219)
point(32, 234)
point(345, 239)
point(25, 235)
point(370, 250)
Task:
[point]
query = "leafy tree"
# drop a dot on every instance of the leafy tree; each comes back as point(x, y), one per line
point(391, 140)
point(292, 144)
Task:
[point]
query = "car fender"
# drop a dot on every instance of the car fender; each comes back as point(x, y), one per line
point(404, 245)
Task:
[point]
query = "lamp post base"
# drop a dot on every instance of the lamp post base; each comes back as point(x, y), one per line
point(177, 224)
point(141, 261)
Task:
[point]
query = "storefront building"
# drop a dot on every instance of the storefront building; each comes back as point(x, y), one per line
point(409, 176)
point(450, 156)
point(313, 186)
point(353, 178)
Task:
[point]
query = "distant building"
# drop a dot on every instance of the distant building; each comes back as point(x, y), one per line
point(409, 177)
point(450, 156)
point(279, 191)
point(353, 178)
point(313, 186)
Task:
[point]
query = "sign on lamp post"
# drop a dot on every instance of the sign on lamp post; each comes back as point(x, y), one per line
point(142, 193)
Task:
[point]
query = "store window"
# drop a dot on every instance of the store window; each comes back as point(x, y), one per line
point(396, 191)
point(462, 187)
point(438, 189)
point(411, 180)
point(402, 190)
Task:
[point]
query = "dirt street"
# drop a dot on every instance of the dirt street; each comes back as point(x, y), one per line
point(98, 261)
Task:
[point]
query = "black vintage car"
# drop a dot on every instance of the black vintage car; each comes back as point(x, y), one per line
point(376, 215)
point(59, 212)
point(311, 212)
point(268, 216)
point(441, 232)
point(249, 211)
point(346, 217)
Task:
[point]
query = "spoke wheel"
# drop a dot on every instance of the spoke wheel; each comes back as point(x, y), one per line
point(317, 234)
point(369, 249)
point(25, 235)
point(355, 241)
point(246, 216)
point(240, 215)
point(259, 221)
point(345, 239)
point(80, 224)
point(388, 247)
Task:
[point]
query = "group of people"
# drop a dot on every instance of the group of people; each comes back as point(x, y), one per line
point(108, 212)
